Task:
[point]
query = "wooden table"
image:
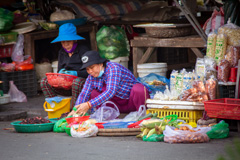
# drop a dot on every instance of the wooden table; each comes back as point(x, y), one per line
point(29, 38)
point(142, 43)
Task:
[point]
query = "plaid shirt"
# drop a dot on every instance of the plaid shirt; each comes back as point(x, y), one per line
point(119, 82)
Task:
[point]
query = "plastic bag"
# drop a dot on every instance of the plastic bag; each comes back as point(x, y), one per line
point(173, 79)
point(151, 77)
point(15, 94)
point(210, 67)
point(112, 42)
point(211, 88)
point(105, 113)
point(219, 131)
point(211, 44)
point(232, 32)
point(17, 53)
point(91, 130)
point(60, 125)
point(134, 116)
point(6, 19)
point(154, 138)
point(179, 81)
point(214, 22)
point(221, 46)
point(180, 136)
point(188, 78)
point(223, 70)
point(233, 55)
point(7, 67)
point(200, 68)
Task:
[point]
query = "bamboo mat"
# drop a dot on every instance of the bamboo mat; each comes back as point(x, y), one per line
point(119, 132)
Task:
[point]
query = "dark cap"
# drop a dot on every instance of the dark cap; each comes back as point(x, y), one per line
point(91, 57)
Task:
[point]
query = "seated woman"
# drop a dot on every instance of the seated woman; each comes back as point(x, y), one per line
point(69, 62)
point(109, 81)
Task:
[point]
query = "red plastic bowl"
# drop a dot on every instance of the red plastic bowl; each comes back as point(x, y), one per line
point(58, 80)
point(77, 119)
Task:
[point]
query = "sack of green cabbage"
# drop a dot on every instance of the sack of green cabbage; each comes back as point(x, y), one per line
point(6, 19)
point(112, 42)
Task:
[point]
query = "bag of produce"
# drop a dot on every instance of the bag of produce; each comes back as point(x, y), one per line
point(154, 138)
point(221, 46)
point(188, 78)
point(185, 134)
point(6, 19)
point(219, 131)
point(112, 42)
point(223, 70)
point(179, 80)
point(211, 44)
point(233, 55)
point(60, 125)
point(84, 130)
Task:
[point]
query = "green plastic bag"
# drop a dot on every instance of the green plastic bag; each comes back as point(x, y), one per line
point(6, 19)
point(154, 138)
point(112, 42)
point(60, 125)
point(219, 131)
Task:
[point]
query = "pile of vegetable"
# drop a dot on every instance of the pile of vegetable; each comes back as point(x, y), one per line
point(35, 120)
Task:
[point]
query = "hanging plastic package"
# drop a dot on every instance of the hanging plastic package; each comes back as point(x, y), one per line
point(112, 42)
point(15, 94)
point(17, 53)
point(106, 113)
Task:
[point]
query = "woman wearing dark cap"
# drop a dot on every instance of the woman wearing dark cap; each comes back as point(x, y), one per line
point(109, 81)
point(69, 62)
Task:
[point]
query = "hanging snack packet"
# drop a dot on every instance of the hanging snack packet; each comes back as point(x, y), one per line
point(223, 70)
point(179, 81)
point(210, 67)
point(200, 68)
point(173, 79)
point(187, 80)
point(221, 46)
point(211, 44)
point(233, 55)
point(211, 88)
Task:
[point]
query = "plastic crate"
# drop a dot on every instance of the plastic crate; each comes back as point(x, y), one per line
point(226, 91)
point(186, 115)
point(225, 108)
point(9, 37)
point(25, 81)
point(6, 50)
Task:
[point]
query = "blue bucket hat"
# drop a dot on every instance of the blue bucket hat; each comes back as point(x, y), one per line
point(67, 32)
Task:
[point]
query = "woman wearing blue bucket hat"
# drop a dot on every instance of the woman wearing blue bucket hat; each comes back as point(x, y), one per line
point(69, 62)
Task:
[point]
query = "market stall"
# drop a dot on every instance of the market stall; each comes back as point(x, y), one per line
point(187, 107)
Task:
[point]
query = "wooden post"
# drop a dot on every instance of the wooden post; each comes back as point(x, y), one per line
point(137, 54)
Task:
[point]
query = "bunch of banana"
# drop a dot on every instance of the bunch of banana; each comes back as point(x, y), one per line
point(151, 127)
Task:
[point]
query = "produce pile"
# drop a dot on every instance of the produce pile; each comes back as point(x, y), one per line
point(35, 120)
point(60, 80)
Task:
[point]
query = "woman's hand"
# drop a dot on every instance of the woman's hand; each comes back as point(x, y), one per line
point(82, 108)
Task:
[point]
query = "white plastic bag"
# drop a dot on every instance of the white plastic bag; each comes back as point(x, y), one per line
point(180, 136)
point(134, 116)
point(91, 131)
point(15, 94)
point(17, 53)
point(105, 113)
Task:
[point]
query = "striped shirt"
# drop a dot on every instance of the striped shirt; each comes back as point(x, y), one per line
point(119, 82)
